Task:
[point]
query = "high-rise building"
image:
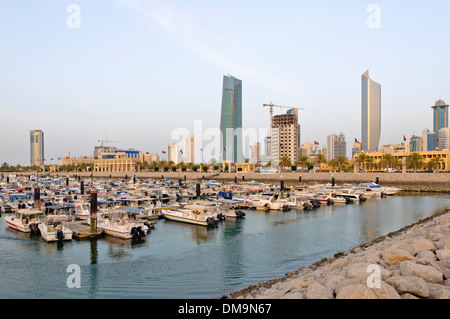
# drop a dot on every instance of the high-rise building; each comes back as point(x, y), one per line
point(305, 149)
point(268, 146)
point(336, 146)
point(425, 140)
point(285, 136)
point(255, 153)
point(415, 143)
point(370, 113)
point(36, 148)
point(189, 151)
point(444, 139)
point(173, 153)
point(440, 118)
point(231, 120)
point(356, 148)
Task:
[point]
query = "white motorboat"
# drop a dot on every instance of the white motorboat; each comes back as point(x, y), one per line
point(192, 214)
point(54, 228)
point(119, 225)
point(25, 220)
point(82, 210)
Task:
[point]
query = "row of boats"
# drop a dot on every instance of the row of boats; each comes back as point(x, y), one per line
point(127, 208)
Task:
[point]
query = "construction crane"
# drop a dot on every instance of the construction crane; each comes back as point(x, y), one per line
point(106, 141)
point(273, 105)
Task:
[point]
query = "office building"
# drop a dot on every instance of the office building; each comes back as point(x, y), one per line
point(187, 154)
point(336, 146)
point(440, 118)
point(444, 139)
point(370, 114)
point(36, 148)
point(415, 143)
point(231, 121)
point(173, 153)
point(117, 161)
point(356, 148)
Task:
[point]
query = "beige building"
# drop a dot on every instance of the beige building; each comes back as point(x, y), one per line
point(119, 161)
point(150, 158)
point(444, 163)
point(76, 161)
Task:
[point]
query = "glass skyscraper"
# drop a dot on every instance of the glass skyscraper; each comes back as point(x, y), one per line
point(231, 120)
point(370, 113)
point(440, 118)
point(36, 148)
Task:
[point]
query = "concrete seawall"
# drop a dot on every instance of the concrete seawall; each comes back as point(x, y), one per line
point(416, 182)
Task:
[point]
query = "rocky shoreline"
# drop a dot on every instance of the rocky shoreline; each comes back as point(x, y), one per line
point(413, 263)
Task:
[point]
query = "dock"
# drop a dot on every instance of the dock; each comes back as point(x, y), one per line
point(82, 231)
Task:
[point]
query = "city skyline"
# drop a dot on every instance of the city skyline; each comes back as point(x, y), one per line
point(131, 75)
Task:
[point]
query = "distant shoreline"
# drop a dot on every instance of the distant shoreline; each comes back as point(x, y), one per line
point(414, 182)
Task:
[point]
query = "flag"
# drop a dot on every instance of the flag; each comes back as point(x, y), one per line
point(37, 159)
point(356, 141)
point(281, 146)
point(404, 138)
point(164, 152)
point(316, 143)
point(51, 159)
point(224, 149)
point(181, 152)
point(201, 150)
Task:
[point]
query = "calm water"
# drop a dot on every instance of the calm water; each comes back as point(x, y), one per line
point(178, 260)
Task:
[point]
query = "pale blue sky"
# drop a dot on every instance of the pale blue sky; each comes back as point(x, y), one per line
point(140, 69)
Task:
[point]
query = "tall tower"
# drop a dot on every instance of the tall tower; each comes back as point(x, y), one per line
point(36, 148)
point(285, 135)
point(370, 113)
point(231, 120)
point(440, 118)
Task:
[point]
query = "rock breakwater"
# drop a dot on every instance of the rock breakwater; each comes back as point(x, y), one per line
point(411, 263)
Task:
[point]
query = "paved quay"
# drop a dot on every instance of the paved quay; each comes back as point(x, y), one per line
point(412, 263)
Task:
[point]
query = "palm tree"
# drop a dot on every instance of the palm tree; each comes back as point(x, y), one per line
point(333, 163)
point(361, 160)
point(320, 158)
point(285, 162)
point(431, 164)
point(302, 161)
point(415, 160)
point(397, 163)
point(341, 161)
point(387, 160)
point(439, 160)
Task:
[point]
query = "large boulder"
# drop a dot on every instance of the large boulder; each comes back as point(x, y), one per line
point(318, 291)
point(396, 255)
point(443, 254)
point(420, 244)
point(409, 284)
point(427, 273)
point(361, 291)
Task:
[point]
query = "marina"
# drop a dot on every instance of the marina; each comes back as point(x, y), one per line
point(166, 258)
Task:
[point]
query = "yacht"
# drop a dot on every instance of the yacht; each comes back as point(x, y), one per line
point(25, 220)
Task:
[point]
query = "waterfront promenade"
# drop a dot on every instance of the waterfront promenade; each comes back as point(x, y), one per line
point(412, 263)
